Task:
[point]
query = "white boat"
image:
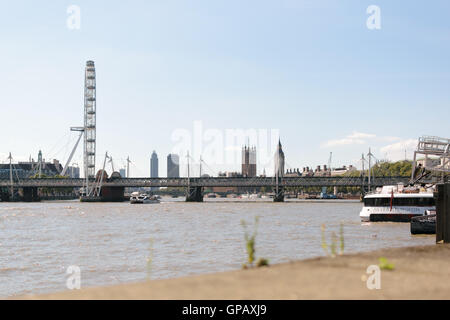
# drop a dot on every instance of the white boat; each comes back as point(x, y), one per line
point(142, 198)
point(211, 195)
point(397, 204)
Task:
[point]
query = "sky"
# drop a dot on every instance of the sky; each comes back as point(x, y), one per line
point(178, 76)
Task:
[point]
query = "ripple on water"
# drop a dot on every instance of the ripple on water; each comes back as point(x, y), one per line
point(112, 242)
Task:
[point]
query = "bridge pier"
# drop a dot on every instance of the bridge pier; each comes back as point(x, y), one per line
point(442, 197)
point(194, 194)
point(4, 195)
point(112, 194)
point(30, 194)
point(278, 194)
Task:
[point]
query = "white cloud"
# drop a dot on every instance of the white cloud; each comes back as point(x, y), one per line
point(358, 138)
point(389, 139)
point(396, 151)
point(360, 135)
point(354, 138)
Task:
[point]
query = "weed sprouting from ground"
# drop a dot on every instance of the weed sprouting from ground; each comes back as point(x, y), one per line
point(341, 237)
point(331, 249)
point(324, 241)
point(385, 264)
point(150, 259)
point(250, 241)
point(262, 262)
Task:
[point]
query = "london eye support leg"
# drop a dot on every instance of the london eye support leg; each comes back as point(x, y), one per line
point(194, 194)
point(278, 194)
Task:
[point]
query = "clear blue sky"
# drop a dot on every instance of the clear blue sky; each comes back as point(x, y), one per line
point(311, 69)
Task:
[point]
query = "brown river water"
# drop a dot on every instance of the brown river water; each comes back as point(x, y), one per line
point(115, 243)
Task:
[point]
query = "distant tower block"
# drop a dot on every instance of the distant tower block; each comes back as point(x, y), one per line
point(89, 120)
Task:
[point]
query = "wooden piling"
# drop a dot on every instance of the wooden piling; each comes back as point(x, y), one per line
point(443, 213)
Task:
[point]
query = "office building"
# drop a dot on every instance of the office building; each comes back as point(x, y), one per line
point(154, 165)
point(173, 166)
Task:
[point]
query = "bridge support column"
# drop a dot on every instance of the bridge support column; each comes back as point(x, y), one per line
point(194, 194)
point(442, 197)
point(112, 194)
point(278, 194)
point(4, 195)
point(30, 194)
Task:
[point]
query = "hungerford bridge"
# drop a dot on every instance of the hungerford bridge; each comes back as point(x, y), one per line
point(101, 188)
point(112, 189)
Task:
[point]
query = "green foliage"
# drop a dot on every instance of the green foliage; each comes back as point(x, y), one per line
point(341, 237)
point(386, 169)
point(262, 262)
point(381, 169)
point(250, 241)
point(44, 176)
point(392, 169)
point(385, 265)
point(150, 259)
point(324, 241)
point(334, 242)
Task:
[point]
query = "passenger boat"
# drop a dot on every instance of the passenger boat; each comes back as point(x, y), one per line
point(397, 204)
point(142, 198)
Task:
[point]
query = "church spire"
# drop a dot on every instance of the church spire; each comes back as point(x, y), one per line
point(279, 160)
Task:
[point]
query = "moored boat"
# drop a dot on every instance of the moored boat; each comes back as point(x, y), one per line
point(142, 198)
point(397, 204)
point(211, 195)
point(424, 224)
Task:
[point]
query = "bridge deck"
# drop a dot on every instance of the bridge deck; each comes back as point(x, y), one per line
point(211, 182)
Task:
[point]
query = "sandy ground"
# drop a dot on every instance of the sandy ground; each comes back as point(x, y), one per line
point(420, 273)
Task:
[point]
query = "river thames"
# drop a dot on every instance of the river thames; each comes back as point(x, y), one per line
point(115, 243)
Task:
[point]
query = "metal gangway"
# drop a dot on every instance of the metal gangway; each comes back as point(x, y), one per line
point(436, 152)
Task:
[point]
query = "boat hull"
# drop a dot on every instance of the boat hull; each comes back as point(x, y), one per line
point(399, 214)
point(144, 201)
point(392, 217)
point(424, 225)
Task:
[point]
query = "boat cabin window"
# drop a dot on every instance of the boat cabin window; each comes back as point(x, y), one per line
point(405, 202)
